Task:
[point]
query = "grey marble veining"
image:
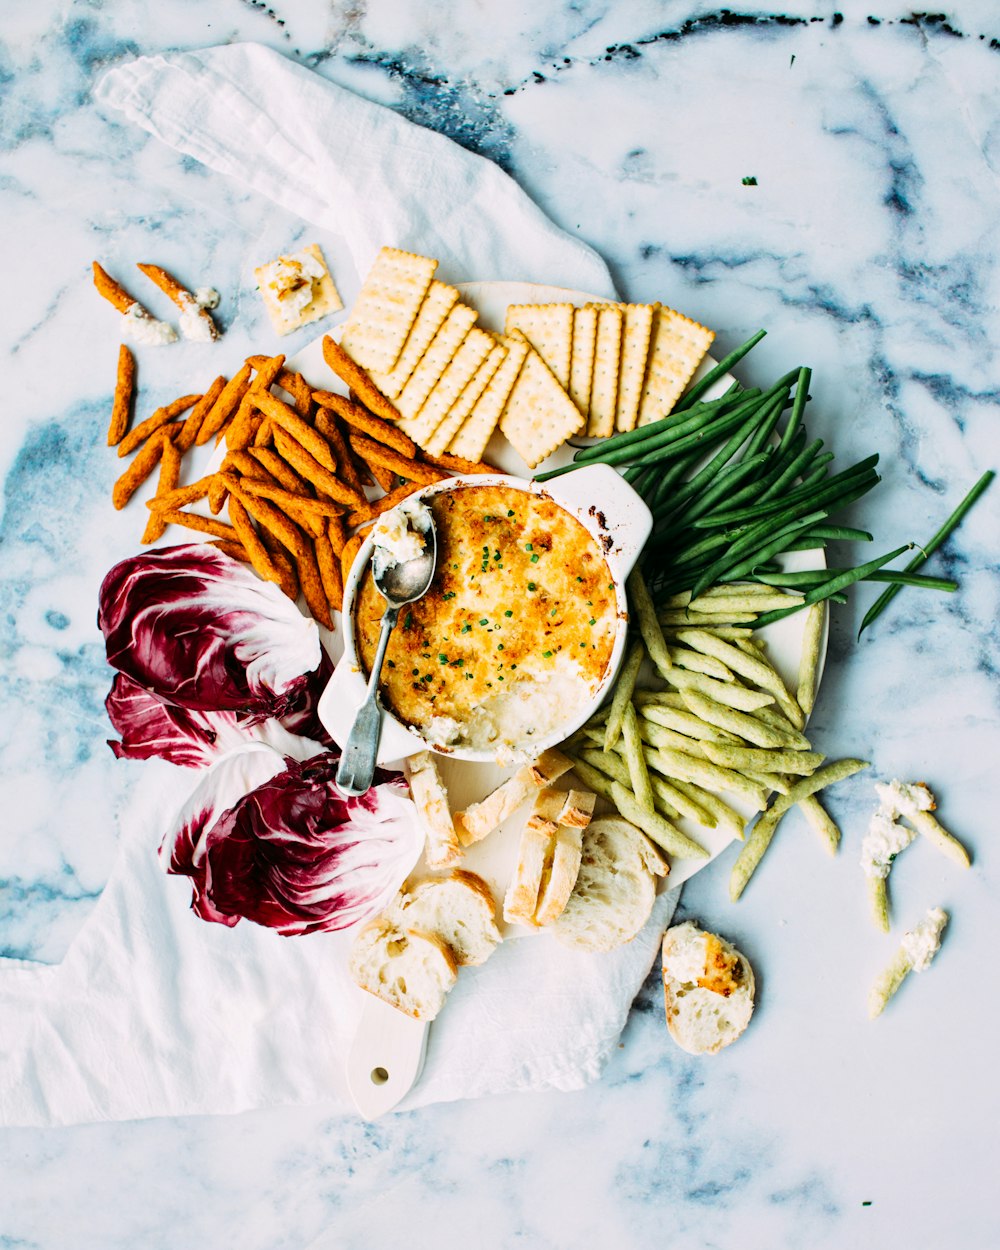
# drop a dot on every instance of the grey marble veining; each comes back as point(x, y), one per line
point(869, 247)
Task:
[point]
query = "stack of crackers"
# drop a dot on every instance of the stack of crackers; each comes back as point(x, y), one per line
point(556, 371)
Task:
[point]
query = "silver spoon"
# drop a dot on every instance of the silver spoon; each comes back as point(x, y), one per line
point(401, 584)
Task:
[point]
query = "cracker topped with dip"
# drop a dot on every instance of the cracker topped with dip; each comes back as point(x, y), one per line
point(514, 635)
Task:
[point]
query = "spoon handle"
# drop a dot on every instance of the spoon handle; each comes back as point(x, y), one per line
point(357, 763)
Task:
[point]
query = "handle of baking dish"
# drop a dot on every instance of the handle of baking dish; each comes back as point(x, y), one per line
point(609, 508)
point(339, 703)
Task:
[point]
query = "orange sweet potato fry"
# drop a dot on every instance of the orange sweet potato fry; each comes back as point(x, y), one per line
point(140, 469)
point(170, 472)
point(121, 408)
point(185, 440)
point(458, 464)
point(112, 291)
point(203, 525)
point(161, 417)
point(361, 516)
point(290, 421)
point(376, 454)
point(347, 469)
point(358, 380)
point(348, 555)
point(361, 419)
point(258, 554)
point(329, 572)
point(310, 468)
point(229, 400)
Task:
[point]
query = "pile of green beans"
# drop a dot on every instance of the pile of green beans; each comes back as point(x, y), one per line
point(730, 491)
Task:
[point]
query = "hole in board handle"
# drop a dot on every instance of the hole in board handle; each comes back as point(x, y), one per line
point(379, 1076)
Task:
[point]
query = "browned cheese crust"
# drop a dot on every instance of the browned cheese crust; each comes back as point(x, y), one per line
point(520, 587)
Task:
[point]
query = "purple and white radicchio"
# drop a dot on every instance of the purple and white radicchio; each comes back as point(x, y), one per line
point(201, 631)
point(293, 854)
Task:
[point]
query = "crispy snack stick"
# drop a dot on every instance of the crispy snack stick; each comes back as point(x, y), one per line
point(170, 473)
point(329, 571)
point(289, 582)
point(272, 519)
point(251, 540)
point(229, 400)
point(140, 468)
point(292, 423)
point(182, 495)
point(351, 549)
point(361, 419)
point(204, 525)
point(217, 493)
point(312, 585)
point(381, 476)
point(159, 419)
point(181, 296)
point(245, 424)
point(369, 511)
point(291, 381)
point(315, 508)
point(358, 380)
point(310, 468)
point(376, 454)
point(246, 464)
point(282, 473)
point(326, 424)
point(337, 535)
point(457, 464)
point(121, 409)
point(112, 291)
point(235, 550)
point(185, 438)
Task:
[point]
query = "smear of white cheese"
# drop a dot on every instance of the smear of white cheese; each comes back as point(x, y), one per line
point(291, 281)
point(921, 944)
point(139, 327)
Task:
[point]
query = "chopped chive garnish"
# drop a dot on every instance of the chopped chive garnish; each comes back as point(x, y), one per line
point(485, 621)
point(508, 612)
point(531, 585)
point(534, 559)
point(547, 655)
point(593, 620)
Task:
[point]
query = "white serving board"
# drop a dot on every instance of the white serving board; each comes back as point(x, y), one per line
point(387, 1052)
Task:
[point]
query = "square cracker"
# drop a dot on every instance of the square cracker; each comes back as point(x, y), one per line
point(549, 330)
point(604, 384)
point(636, 334)
point(435, 360)
point(458, 413)
point(539, 415)
point(386, 308)
point(472, 351)
point(475, 434)
point(438, 303)
point(581, 369)
point(325, 296)
point(675, 352)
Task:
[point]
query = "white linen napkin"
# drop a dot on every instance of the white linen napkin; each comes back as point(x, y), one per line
point(154, 1012)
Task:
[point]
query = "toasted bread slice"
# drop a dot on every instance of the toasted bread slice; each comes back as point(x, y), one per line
point(459, 910)
point(482, 818)
point(411, 971)
point(614, 891)
point(441, 845)
point(533, 856)
point(708, 988)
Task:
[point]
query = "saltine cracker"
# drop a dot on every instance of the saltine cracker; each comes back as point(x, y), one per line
point(472, 351)
point(539, 415)
point(604, 384)
point(636, 334)
point(438, 303)
point(475, 434)
point(386, 308)
point(458, 413)
point(549, 330)
point(325, 297)
point(676, 350)
point(435, 360)
point(581, 369)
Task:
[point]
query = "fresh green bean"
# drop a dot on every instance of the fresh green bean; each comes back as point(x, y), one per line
point(815, 577)
point(743, 563)
point(839, 582)
point(801, 396)
point(952, 523)
point(795, 469)
point(829, 491)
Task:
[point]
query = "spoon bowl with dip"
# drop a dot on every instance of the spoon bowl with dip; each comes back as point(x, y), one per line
point(402, 569)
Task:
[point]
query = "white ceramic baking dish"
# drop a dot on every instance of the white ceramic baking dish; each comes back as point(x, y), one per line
point(607, 507)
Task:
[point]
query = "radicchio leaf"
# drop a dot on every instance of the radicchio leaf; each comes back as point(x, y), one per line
point(297, 856)
point(234, 775)
point(200, 630)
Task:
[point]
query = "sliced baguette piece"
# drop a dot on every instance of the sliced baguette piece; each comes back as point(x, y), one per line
point(614, 891)
point(441, 845)
point(533, 856)
point(411, 971)
point(708, 988)
point(482, 818)
point(561, 874)
point(459, 910)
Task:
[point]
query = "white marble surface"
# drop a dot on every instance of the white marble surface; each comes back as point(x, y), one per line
point(869, 249)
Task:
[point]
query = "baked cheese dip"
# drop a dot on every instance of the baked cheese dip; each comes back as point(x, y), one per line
point(516, 632)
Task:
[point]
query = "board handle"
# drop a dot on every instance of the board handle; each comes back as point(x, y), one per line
point(385, 1058)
